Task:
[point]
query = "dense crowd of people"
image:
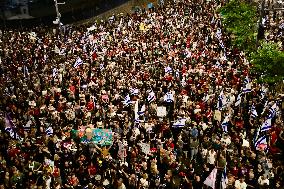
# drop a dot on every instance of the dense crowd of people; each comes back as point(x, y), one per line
point(117, 74)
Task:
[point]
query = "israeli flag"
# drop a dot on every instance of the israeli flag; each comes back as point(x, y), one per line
point(78, 62)
point(224, 179)
point(220, 101)
point(239, 100)
point(168, 70)
point(247, 88)
point(54, 72)
point(180, 122)
point(151, 97)
point(134, 92)
point(12, 133)
point(127, 101)
point(281, 26)
point(49, 131)
point(253, 112)
point(225, 123)
point(256, 135)
point(259, 141)
point(101, 66)
point(218, 34)
point(272, 111)
point(266, 125)
point(141, 111)
point(263, 92)
point(169, 97)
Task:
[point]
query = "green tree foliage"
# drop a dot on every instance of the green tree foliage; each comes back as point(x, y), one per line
point(240, 21)
point(268, 63)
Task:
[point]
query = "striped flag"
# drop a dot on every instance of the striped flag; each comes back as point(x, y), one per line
point(239, 100)
point(10, 127)
point(142, 110)
point(134, 92)
point(247, 87)
point(266, 125)
point(127, 101)
point(272, 111)
point(168, 70)
point(54, 72)
point(151, 97)
point(225, 123)
point(78, 62)
point(169, 97)
point(224, 179)
point(49, 131)
point(261, 141)
point(180, 122)
point(211, 179)
point(253, 112)
point(220, 103)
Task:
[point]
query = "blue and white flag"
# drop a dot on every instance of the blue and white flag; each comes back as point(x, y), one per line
point(134, 92)
point(151, 97)
point(169, 97)
point(239, 100)
point(54, 72)
point(225, 123)
point(141, 111)
point(263, 92)
point(253, 112)
point(49, 131)
point(26, 71)
point(259, 141)
point(224, 178)
point(220, 102)
point(168, 70)
point(127, 101)
point(247, 85)
point(180, 122)
point(272, 111)
point(256, 135)
point(10, 128)
point(78, 62)
point(266, 125)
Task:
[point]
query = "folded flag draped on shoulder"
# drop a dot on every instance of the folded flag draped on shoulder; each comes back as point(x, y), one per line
point(127, 101)
point(224, 179)
point(211, 179)
point(78, 62)
point(10, 128)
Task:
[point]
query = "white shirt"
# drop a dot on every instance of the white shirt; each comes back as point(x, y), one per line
point(262, 182)
point(240, 185)
point(211, 157)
